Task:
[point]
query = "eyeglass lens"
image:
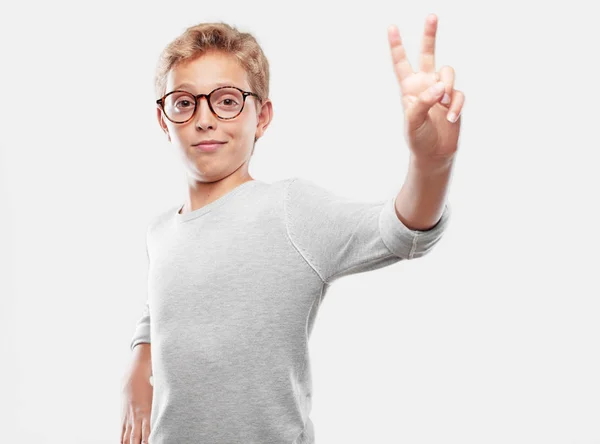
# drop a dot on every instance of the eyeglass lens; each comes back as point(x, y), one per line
point(226, 102)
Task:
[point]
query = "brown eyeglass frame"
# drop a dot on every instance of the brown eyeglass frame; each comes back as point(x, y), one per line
point(160, 102)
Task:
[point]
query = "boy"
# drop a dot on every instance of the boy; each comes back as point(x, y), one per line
point(237, 272)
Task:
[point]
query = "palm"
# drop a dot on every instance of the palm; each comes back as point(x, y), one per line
point(428, 132)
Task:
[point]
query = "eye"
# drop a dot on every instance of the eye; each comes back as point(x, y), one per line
point(183, 103)
point(230, 100)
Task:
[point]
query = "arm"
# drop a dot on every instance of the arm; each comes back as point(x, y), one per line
point(420, 202)
point(338, 236)
point(137, 394)
point(141, 360)
point(137, 382)
point(142, 328)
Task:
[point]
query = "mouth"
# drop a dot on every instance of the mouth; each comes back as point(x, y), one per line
point(208, 147)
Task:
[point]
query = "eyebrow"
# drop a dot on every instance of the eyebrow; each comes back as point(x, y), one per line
point(219, 84)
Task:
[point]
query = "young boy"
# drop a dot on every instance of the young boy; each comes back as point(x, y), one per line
point(238, 270)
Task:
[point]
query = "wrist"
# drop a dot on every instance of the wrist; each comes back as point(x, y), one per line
point(431, 166)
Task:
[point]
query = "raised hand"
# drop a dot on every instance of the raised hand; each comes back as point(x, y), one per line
point(430, 131)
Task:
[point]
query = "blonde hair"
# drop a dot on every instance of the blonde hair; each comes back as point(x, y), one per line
point(220, 37)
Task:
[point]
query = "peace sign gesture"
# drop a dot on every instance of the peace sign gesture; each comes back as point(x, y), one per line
point(431, 133)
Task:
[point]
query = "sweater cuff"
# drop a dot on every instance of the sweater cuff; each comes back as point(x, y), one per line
point(404, 242)
point(142, 334)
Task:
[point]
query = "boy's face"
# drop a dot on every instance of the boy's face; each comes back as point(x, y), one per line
point(202, 75)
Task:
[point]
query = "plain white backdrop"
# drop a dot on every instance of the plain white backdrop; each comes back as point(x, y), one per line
point(492, 338)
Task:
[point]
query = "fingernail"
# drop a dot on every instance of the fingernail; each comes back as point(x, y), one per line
point(446, 99)
point(452, 117)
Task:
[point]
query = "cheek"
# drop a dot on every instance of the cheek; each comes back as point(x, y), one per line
point(180, 136)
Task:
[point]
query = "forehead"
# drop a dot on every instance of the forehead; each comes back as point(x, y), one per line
point(206, 73)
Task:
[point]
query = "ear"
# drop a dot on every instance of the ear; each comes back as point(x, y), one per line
point(162, 123)
point(264, 118)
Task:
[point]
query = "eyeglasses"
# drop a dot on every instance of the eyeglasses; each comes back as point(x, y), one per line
point(226, 103)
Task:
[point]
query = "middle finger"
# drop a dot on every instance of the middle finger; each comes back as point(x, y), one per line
point(428, 44)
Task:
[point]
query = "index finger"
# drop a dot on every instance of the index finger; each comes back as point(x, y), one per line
point(402, 66)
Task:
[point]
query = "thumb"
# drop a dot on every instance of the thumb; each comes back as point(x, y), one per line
point(423, 103)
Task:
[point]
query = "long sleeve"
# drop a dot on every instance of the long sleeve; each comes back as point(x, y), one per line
point(142, 328)
point(338, 236)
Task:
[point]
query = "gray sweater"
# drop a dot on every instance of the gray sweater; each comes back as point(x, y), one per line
point(233, 291)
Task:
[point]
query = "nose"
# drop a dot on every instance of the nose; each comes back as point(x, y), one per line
point(204, 116)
